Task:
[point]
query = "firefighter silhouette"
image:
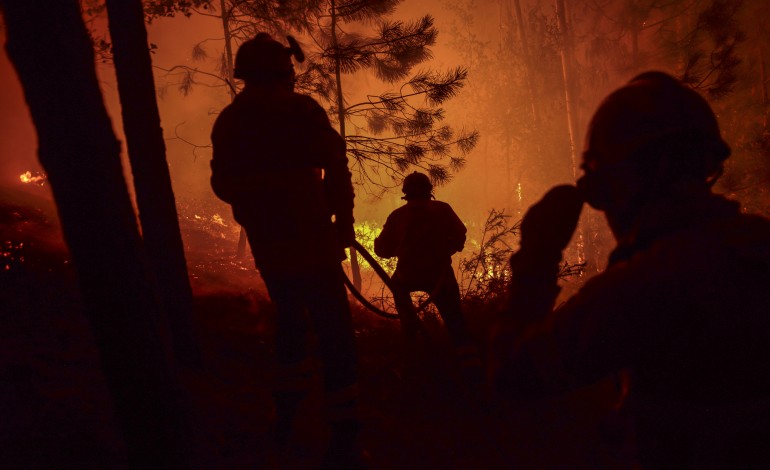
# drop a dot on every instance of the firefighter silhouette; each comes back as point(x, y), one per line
point(283, 168)
point(682, 313)
point(424, 234)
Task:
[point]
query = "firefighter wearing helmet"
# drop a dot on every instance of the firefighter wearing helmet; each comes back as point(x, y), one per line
point(424, 234)
point(680, 315)
point(283, 168)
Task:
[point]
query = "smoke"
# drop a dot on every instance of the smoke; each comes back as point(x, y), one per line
point(17, 134)
point(515, 95)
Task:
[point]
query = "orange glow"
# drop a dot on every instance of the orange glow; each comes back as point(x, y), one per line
point(37, 178)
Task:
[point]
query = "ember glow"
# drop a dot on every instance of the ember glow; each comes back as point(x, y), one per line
point(36, 178)
point(515, 99)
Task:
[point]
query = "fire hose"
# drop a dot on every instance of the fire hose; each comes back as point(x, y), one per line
point(381, 273)
point(386, 279)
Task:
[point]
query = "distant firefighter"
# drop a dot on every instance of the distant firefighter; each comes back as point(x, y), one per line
point(682, 314)
point(424, 234)
point(283, 168)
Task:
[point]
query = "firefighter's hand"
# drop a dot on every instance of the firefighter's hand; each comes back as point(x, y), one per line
point(549, 224)
point(346, 234)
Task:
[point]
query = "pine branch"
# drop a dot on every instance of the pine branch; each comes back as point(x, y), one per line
point(439, 87)
point(186, 85)
point(401, 46)
point(468, 141)
point(457, 163)
point(365, 10)
point(439, 174)
point(388, 70)
point(154, 9)
point(199, 53)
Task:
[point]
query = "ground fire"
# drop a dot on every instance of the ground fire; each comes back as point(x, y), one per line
point(609, 161)
point(36, 178)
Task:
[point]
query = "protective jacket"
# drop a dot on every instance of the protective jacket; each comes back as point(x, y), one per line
point(684, 311)
point(283, 168)
point(423, 234)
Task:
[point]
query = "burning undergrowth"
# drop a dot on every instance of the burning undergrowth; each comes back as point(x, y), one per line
point(221, 276)
point(210, 238)
point(31, 243)
point(30, 237)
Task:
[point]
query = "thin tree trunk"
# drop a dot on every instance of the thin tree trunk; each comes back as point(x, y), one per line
point(571, 105)
point(229, 67)
point(533, 97)
point(527, 63)
point(568, 77)
point(152, 182)
point(508, 179)
point(763, 82)
point(635, 48)
point(229, 71)
point(506, 41)
point(53, 56)
point(355, 269)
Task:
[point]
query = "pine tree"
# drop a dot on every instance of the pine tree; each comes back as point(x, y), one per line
point(393, 132)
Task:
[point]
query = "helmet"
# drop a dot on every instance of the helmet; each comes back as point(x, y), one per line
point(264, 57)
point(417, 185)
point(654, 121)
point(656, 107)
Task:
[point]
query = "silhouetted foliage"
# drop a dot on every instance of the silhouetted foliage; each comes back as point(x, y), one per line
point(485, 275)
point(717, 46)
point(394, 131)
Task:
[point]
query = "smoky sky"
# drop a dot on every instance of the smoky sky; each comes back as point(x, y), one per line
point(502, 172)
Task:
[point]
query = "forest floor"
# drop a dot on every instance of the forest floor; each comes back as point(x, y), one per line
point(55, 410)
point(417, 413)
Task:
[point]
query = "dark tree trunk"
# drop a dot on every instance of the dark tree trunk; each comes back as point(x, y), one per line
point(152, 182)
point(355, 269)
point(50, 49)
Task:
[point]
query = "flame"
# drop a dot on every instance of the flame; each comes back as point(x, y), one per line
point(217, 219)
point(366, 232)
point(37, 178)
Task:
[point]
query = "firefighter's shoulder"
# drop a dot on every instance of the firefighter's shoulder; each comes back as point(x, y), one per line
point(306, 104)
point(441, 206)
